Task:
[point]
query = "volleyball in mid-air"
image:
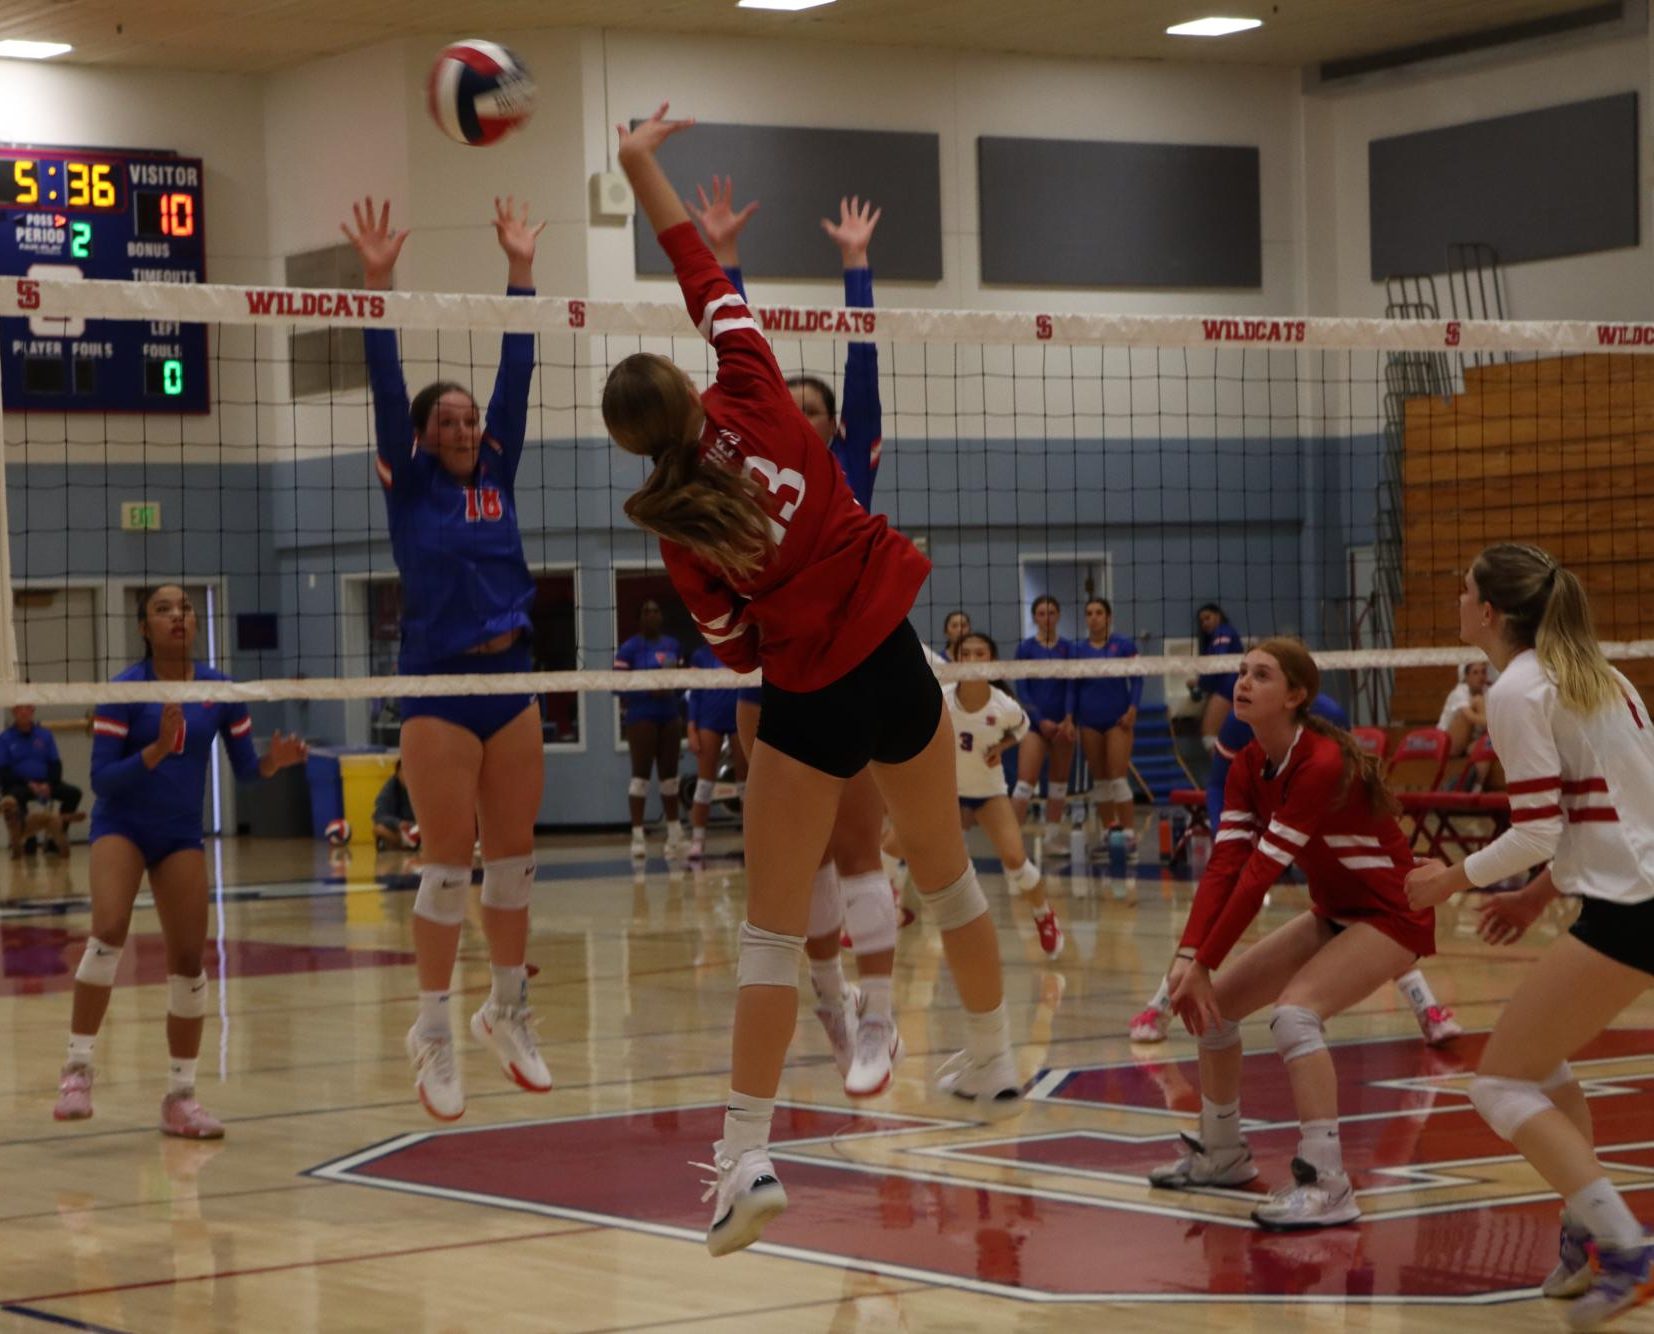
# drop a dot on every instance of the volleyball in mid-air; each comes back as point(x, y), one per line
point(479, 92)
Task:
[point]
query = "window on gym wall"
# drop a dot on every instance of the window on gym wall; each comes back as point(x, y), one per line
point(554, 641)
point(634, 587)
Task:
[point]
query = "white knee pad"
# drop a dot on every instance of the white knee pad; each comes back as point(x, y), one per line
point(958, 904)
point(1023, 879)
point(98, 964)
point(669, 787)
point(638, 787)
point(1507, 1104)
point(1297, 1031)
point(442, 894)
point(1022, 791)
point(1119, 790)
point(826, 902)
point(703, 791)
point(869, 912)
point(1563, 1074)
point(767, 959)
point(507, 882)
point(187, 996)
point(1220, 1037)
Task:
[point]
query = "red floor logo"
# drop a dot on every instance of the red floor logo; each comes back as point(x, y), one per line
point(1054, 1206)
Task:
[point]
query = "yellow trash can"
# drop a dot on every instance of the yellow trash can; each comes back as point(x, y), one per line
point(361, 777)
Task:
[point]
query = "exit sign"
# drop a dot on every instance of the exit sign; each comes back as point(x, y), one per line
point(140, 516)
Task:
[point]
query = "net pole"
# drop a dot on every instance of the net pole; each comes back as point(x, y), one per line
point(8, 612)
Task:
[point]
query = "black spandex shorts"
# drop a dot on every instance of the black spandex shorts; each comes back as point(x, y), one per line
point(1622, 931)
point(886, 710)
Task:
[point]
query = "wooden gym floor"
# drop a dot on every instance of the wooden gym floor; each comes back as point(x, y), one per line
point(335, 1203)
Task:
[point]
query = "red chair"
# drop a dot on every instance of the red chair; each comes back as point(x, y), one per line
point(1374, 740)
point(1419, 762)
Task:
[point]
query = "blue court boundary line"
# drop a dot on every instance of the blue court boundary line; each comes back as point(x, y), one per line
point(67, 1321)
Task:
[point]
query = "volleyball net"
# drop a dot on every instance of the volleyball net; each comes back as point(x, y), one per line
point(1329, 478)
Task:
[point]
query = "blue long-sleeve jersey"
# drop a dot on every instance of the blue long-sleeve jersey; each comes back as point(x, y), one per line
point(457, 545)
point(1224, 640)
point(1100, 702)
point(169, 797)
point(860, 438)
point(1044, 698)
point(639, 655)
point(1232, 739)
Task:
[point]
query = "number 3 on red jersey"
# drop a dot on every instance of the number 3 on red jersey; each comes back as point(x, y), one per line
point(777, 481)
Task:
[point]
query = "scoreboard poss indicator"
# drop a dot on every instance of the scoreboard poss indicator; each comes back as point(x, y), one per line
point(132, 214)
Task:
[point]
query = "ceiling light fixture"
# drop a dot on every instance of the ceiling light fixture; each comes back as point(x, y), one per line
point(1212, 27)
point(791, 6)
point(16, 50)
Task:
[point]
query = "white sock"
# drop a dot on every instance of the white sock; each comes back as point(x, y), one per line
point(1319, 1147)
point(747, 1123)
point(1416, 991)
point(181, 1075)
point(1162, 995)
point(827, 977)
point(510, 986)
point(1219, 1124)
point(637, 831)
point(987, 1034)
point(876, 992)
point(80, 1048)
point(1600, 1208)
point(433, 1015)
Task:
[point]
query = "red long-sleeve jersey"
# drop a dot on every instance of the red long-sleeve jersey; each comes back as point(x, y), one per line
point(841, 580)
point(1356, 860)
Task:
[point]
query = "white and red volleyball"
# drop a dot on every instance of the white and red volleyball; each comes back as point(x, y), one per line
point(479, 92)
point(337, 833)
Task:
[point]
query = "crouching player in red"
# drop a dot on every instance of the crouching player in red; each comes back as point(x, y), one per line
point(1300, 792)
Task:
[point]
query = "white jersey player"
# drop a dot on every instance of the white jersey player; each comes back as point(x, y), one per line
point(986, 723)
point(1577, 746)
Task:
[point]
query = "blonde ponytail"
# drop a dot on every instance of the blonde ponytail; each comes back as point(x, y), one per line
point(1545, 609)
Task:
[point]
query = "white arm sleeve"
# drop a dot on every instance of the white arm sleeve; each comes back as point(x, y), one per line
point(1520, 725)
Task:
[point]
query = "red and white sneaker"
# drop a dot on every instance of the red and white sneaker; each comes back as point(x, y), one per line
point(436, 1075)
point(878, 1048)
point(183, 1117)
point(509, 1032)
point(1438, 1025)
point(74, 1094)
point(1150, 1026)
point(1050, 932)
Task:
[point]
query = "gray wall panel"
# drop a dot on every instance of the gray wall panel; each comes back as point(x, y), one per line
point(1071, 213)
point(798, 176)
point(1560, 181)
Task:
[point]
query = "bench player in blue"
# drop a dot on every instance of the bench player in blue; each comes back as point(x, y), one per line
point(852, 893)
point(149, 777)
point(1435, 1020)
point(711, 719)
point(472, 762)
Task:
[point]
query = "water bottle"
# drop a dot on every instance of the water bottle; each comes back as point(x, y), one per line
point(1116, 853)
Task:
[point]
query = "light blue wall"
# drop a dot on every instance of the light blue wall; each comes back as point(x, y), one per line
point(1259, 526)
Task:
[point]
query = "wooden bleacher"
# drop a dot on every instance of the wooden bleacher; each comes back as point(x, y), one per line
point(1559, 452)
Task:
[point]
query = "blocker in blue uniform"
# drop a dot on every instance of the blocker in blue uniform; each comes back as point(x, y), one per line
point(1048, 702)
point(1217, 637)
point(711, 720)
point(33, 795)
point(471, 762)
point(653, 724)
point(149, 776)
point(1105, 710)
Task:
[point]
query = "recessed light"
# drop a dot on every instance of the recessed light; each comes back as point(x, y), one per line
point(791, 6)
point(1212, 27)
point(15, 50)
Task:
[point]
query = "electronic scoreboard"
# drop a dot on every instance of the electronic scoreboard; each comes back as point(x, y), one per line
point(133, 214)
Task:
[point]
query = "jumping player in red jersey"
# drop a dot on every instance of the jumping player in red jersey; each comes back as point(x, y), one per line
point(851, 892)
point(1301, 792)
point(1577, 746)
point(782, 569)
point(149, 774)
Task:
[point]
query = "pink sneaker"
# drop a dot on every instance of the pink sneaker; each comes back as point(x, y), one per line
point(185, 1118)
point(1439, 1025)
point(74, 1094)
point(1150, 1026)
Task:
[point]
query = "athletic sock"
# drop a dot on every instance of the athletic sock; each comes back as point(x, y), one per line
point(510, 987)
point(827, 977)
point(746, 1123)
point(1602, 1210)
point(181, 1075)
point(876, 997)
point(1318, 1146)
point(1219, 1124)
point(433, 1016)
point(987, 1034)
point(80, 1048)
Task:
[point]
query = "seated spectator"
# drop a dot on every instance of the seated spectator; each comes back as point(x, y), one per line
point(1464, 715)
point(393, 815)
point(36, 801)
